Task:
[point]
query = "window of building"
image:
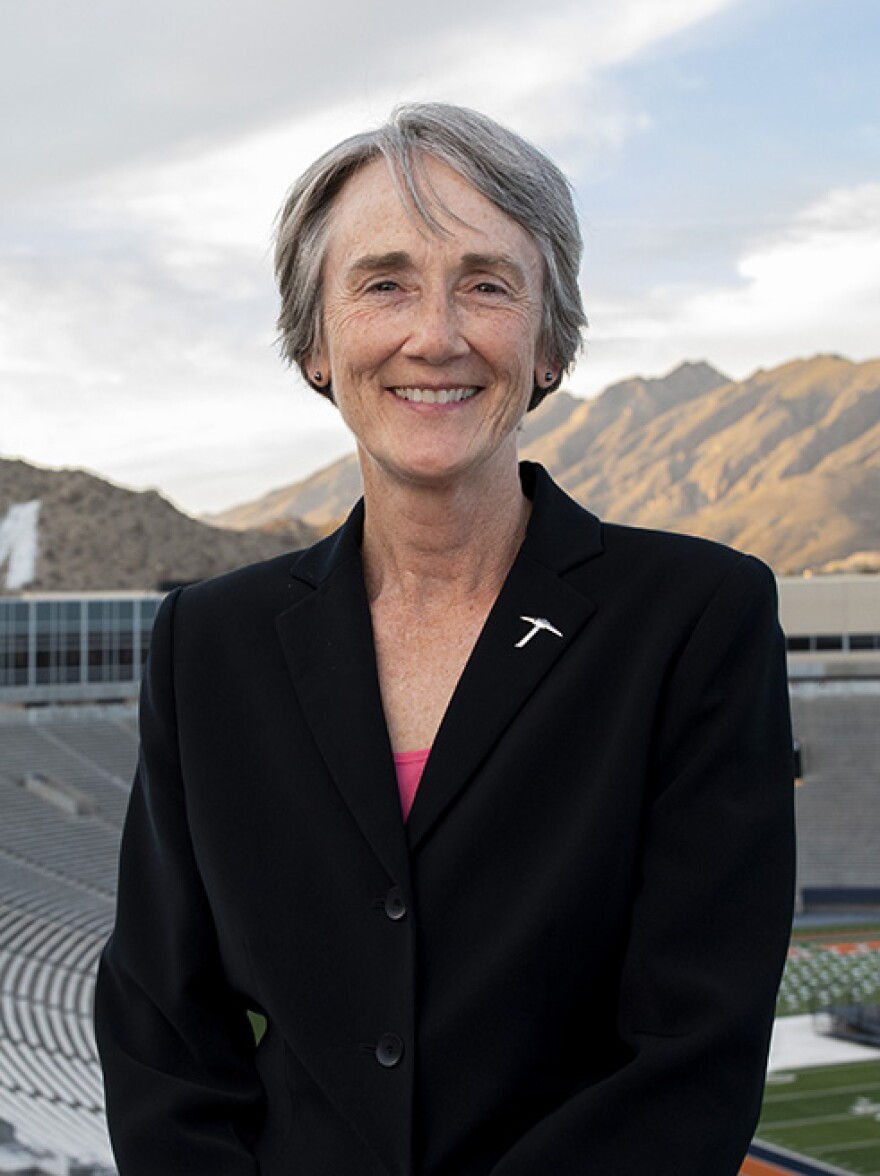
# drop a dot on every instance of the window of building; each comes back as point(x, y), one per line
point(864, 640)
point(829, 641)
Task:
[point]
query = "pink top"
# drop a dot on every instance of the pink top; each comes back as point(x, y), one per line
point(409, 766)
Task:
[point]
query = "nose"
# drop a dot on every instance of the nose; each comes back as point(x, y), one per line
point(436, 334)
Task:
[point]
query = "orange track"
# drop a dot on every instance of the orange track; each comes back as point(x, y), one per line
point(753, 1167)
point(843, 947)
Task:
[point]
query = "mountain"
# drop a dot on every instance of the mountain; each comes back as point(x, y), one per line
point(67, 530)
point(785, 464)
point(319, 500)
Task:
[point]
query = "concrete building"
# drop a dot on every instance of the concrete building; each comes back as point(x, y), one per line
point(70, 648)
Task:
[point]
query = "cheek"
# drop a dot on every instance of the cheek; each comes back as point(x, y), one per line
point(359, 345)
point(515, 354)
point(512, 335)
point(357, 338)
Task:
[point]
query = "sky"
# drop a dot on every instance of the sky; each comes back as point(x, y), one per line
point(725, 156)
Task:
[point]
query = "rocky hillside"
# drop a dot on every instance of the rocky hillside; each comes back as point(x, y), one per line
point(66, 530)
point(785, 464)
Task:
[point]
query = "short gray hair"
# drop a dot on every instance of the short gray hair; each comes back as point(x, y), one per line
point(516, 176)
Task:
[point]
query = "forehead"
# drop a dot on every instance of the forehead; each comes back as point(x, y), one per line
point(371, 216)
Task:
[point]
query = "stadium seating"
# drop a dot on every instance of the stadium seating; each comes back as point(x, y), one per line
point(58, 879)
point(57, 885)
point(837, 811)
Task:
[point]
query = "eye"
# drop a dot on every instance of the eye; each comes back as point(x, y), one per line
point(489, 288)
point(385, 286)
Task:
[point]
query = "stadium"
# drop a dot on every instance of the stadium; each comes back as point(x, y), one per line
point(69, 673)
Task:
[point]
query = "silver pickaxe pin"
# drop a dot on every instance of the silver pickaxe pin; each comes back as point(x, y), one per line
point(538, 624)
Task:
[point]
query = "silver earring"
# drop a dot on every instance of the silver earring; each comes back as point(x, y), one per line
point(318, 377)
point(549, 377)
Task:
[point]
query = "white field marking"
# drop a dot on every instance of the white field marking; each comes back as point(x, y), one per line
point(864, 1106)
point(19, 543)
point(823, 1092)
point(814, 1121)
point(850, 1145)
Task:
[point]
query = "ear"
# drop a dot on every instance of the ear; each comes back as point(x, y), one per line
point(546, 371)
point(547, 375)
point(318, 368)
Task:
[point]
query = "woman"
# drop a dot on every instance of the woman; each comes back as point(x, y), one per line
point(561, 956)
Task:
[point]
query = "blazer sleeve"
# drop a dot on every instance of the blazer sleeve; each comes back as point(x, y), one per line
point(182, 1092)
point(711, 917)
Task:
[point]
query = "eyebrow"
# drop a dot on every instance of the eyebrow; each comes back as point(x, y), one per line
point(495, 261)
point(372, 263)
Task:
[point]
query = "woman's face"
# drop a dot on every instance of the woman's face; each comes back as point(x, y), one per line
point(431, 341)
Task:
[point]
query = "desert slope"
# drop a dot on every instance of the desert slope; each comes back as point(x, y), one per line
point(90, 535)
point(785, 464)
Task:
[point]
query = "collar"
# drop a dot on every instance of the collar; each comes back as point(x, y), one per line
point(561, 533)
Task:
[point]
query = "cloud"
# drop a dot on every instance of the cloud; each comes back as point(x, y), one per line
point(543, 72)
point(153, 146)
point(97, 82)
point(120, 367)
point(813, 285)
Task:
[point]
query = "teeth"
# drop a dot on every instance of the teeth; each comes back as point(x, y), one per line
point(435, 396)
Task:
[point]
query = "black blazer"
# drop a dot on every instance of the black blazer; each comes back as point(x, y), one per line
point(565, 963)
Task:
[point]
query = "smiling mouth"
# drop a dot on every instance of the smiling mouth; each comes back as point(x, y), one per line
point(435, 395)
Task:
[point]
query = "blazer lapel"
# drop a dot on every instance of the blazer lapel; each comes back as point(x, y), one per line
point(501, 675)
point(328, 645)
point(327, 640)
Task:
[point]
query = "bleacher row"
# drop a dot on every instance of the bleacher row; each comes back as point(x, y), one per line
point(57, 884)
point(838, 814)
point(816, 977)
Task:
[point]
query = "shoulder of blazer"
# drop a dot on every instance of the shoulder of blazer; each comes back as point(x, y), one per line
point(315, 564)
point(687, 562)
point(273, 581)
point(564, 535)
point(653, 569)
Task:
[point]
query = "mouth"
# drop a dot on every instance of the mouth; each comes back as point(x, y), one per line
point(434, 395)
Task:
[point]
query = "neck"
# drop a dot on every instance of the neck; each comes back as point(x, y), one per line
point(438, 543)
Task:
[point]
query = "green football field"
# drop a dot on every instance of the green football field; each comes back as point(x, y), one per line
point(830, 1113)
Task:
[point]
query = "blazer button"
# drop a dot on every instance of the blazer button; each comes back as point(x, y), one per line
point(389, 1051)
point(395, 907)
